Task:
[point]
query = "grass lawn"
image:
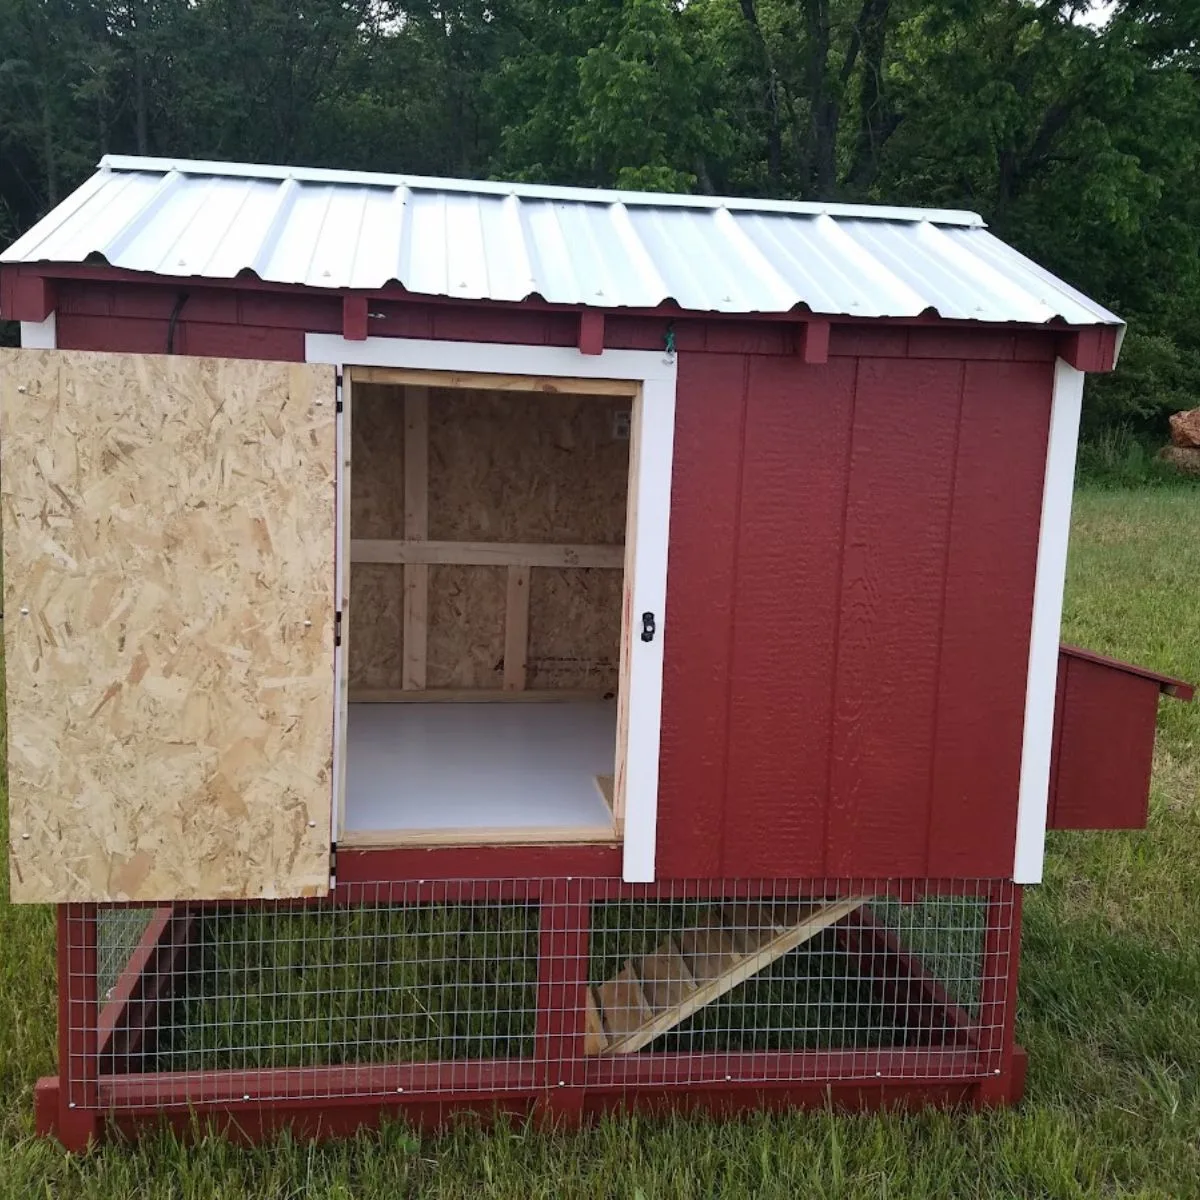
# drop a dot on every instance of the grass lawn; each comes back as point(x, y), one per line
point(1110, 1009)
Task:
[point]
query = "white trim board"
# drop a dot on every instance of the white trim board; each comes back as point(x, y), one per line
point(1042, 680)
point(652, 446)
point(40, 335)
point(341, 647)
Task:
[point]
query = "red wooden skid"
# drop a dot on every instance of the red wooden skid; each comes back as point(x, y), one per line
point(345, 1083)
point(477, 1078)
point(252, 1122)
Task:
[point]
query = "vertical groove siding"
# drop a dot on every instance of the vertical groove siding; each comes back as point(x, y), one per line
point(862, 591)
point(850, 583)
point(695, 780)
point(988, 612)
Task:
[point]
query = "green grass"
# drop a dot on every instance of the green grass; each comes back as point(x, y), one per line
point(1110, 1009)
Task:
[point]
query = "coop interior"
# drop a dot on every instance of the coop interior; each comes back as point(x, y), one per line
point(483, 625)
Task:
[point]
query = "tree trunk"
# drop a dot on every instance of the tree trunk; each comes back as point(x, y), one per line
point(137, 14)
point(820, 172)
point(771, 94)
point(875, 123)
point(48, 148)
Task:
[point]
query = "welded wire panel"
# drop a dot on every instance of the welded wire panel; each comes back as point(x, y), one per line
point(492, 986)
point(118, 931)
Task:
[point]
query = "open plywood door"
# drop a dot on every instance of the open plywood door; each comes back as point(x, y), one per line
point(169, 600)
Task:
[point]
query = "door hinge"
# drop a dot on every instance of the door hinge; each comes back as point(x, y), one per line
point(339, 404)
point(337, 628)
point(332, 866)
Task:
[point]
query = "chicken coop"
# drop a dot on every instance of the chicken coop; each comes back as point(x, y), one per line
point(499, 648)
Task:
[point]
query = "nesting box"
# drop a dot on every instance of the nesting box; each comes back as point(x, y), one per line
point(668, 586)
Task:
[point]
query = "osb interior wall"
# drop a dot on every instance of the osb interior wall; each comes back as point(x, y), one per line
point(168, 548)
point(503, 467)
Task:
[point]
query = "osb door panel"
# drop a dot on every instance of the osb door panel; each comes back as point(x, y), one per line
point(169, 596)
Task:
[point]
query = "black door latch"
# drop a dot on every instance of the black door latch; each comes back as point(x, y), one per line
point(647, 627)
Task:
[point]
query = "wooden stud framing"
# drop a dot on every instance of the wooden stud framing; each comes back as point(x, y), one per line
point(498, 383)
point(516, 629)
point(484, 554)
point(416, 528)
point(473, 695)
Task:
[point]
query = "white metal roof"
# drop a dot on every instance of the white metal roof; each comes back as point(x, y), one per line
point(508, 241)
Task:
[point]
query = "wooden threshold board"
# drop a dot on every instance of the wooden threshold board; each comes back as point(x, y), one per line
point(506, 836)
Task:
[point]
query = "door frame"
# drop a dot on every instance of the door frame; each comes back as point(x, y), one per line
point(646, 541)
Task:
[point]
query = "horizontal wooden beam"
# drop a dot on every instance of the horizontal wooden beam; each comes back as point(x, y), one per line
point(474, 695)
point(549, 384)
point(484, 554)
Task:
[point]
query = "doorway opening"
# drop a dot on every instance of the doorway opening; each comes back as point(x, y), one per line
point(483, 629)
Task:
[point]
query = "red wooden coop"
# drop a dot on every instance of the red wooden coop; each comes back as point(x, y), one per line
point(478, 646)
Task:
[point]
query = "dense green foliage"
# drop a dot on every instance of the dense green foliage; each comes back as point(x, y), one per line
point(1077, 137)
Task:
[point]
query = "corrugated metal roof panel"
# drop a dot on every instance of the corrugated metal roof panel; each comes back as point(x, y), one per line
point(500, 241)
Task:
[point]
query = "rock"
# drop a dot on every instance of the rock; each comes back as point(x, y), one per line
point(1185, 459)
point(1185, 429)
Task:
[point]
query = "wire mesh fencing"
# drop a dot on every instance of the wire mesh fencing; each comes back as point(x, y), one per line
point(487, 986)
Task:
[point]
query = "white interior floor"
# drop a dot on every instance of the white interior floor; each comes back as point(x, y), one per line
point(500, 766)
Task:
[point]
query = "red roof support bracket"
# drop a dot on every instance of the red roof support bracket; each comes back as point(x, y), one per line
point(354, 318)
point(812, 341)
point(26, 297)
point(591, 332)
point(1093, 350)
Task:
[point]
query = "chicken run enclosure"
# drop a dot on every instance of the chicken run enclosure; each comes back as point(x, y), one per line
point(499, 648)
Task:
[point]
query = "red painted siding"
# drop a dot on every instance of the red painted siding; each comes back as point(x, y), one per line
point(890, 619)
point(851, 568)
point(873, 652)
point(706, 483)
point(789, 556)
point(992, 556)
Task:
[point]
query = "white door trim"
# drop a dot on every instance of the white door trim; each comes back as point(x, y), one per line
point(1046, 630)
point(647, 537)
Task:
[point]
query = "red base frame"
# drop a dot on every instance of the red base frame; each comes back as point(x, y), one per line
point(325, 1119)
point(101, 1089)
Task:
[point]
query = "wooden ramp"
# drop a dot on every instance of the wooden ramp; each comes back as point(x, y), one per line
point(653, 994)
